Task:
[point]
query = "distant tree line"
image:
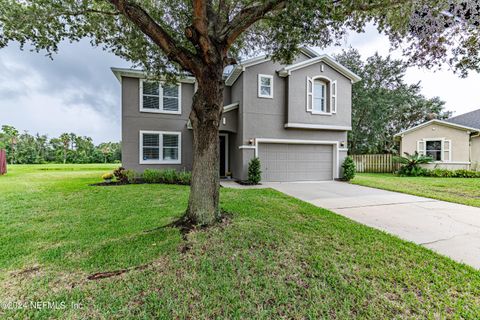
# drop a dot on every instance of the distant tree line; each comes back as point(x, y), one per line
point(383, 104)
point(24, 148)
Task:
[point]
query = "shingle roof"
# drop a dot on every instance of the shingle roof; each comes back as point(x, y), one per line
point(469, 119)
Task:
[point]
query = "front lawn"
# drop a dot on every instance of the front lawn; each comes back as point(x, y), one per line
point(458, 190)
point(276, 257)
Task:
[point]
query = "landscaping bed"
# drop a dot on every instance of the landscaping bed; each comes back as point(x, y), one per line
point(115, 253)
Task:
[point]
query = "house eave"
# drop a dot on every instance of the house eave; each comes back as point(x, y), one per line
point(231, 107)
point(310, 126)
point(135, 73)
point(439, 122)
point(286, 71)
point(239, 68)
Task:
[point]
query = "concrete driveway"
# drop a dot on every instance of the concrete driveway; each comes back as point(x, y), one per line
point(447, 228)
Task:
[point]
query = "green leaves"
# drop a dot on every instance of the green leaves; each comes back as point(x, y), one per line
point(349, 169)
point(436, 30)
point(254, 171)
point(411, 164)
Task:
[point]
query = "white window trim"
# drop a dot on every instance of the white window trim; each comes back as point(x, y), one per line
point(160, 100)
point(329, 83)
point(227, 146)
point(333, 95)
point(324, 97)
point(442, 152)
point(160, 153)
point(259, 85)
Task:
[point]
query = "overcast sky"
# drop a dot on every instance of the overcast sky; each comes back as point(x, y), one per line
point(76, 92)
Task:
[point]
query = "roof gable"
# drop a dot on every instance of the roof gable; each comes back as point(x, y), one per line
point(135, 73)
point(286, 71)
point(438, 122)
point(240, 67)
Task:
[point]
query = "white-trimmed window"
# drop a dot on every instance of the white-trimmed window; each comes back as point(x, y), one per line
point(265, 86)
point(160, 97)
point(160, 147)
point(437, 148)
point(433, 149)
point(321, 95)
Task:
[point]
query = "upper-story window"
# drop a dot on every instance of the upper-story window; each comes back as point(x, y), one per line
point(321, 95)
point(160, 97)
point(265, 86)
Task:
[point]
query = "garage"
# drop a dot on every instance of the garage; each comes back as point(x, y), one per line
point(296, 162)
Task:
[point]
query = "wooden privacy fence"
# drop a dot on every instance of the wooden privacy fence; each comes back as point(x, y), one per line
point(3, 162)
point(375, 163)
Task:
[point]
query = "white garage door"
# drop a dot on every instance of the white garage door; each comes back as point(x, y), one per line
point(296, 162)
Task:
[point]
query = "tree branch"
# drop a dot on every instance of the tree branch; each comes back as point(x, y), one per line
point(84, 12)
point(248, 16)
point(149, 27)
point(204, 22)
point(200, 27)
point(200, 22)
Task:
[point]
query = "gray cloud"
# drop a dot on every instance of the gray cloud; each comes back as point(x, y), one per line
point(78, 75)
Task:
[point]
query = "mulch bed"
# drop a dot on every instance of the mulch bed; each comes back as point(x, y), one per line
point(247, 183)
point(108, 184)
point(119, 183)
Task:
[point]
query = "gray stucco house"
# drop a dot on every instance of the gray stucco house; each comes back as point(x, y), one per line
point(295, 118)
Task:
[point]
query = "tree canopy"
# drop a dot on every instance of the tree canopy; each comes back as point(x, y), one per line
point(24, 148)
point(174, 35)
point(383, 104)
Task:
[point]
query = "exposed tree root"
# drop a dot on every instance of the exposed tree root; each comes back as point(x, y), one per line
point(185, 225)
point(109, 274)
point(29, 270)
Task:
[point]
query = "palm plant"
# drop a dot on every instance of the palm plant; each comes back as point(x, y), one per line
point(410, 163)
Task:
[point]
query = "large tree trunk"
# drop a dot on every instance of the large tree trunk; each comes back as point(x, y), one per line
point(203, 204)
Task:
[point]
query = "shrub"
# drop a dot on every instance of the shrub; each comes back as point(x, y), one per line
point(348, 169)
point(152, 176)
point(184, 177)
point(131, 176)
point(170, 176)
point(120, 174)
point(254, 172)
point(445, 173)
point(411, 164)
point(107, 176)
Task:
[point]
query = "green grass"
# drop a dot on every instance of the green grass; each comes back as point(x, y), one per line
point(278, 257)
point(458, 190)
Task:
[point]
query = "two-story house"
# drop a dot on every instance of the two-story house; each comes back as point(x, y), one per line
point(295, 118)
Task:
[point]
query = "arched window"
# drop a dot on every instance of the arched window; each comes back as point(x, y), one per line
point(319, 95)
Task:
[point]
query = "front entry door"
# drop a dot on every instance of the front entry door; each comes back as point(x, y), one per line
point(223, 155)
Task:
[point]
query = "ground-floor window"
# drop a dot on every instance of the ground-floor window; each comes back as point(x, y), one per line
point(434, 149)
point(160, 147)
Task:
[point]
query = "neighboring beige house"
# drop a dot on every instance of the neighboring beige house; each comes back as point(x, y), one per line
point(453, 143)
